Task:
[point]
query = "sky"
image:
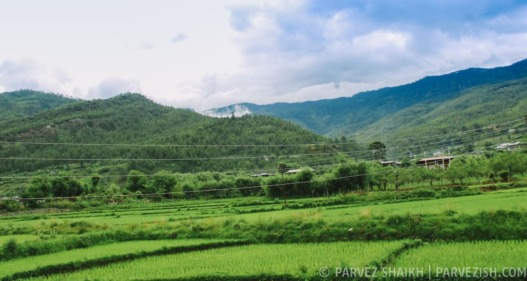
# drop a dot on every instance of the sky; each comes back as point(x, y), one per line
point(204, 54)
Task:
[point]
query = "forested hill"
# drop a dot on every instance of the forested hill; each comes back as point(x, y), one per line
point(355, 114)
point(137, 133)
point(24, 103)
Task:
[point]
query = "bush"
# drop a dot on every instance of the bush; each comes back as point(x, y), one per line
point(10, 249)
point(423, 193)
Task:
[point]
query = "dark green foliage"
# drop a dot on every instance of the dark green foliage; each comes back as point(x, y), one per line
point(10, 205)
point(282, 168)
point(133, 119)
point(24, 103)
point(66, 187)
point(349, 177)
point(248, 186)
point(61, 186)
point(10, 249)
point(136, 181)
point(378, 150)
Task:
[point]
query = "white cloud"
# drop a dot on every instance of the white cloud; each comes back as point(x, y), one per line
point(179, 37)
point(263, 52)
point(296, 54)
point(114, 86)
point(29, 74)
point(146, 46)
point(380, 40)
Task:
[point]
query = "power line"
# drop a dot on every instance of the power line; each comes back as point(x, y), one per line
point(490, 126)
point(311, 165)
point(242, 145)
point(152, 175)
point(183, 192)
point(194, 191)
point(163, 145)
point(224, 157)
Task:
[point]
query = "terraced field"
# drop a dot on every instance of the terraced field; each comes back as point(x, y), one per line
point(255, 239)
point(498, 260)
point(174, 213)
point(498, 254)
point(30, 263)
point(296, 260)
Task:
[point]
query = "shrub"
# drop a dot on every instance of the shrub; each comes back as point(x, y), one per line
point(10, 249)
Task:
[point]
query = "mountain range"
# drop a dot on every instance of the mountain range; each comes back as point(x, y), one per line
point(472, 100)
point(446, 103)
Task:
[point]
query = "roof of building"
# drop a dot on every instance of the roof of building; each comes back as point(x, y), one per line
point(436, 158)
point(262, 175)
point(294, 171)
point(507, 145)
point(390, 163)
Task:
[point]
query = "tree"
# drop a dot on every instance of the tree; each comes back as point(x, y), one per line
point(282, 169)
point(457, 170)
point(378, 150)
point(303, 179)
point(163, 182)
point(95, 179)
point(476, 167)
point(519, 163)
point(429, 175)
point(66, 187)
point(136, 181)
point(350, 176)
point(248, 186)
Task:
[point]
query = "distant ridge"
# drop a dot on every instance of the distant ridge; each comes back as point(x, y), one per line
point(23, 103)
point(359, 113)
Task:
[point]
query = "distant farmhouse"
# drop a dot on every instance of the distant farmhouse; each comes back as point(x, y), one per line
point(390, 163)
point(262, 175)
point(509, 146)
point(435, 162)
point(293, 171)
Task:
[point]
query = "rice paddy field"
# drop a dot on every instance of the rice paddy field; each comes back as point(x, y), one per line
point(10, 267)
point(20, 238)
point(256, 238)
point(285, 259)
point(498, 254)
point(178, 211)
point(495, 260)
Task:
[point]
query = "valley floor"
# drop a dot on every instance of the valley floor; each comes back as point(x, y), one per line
point(479, 235)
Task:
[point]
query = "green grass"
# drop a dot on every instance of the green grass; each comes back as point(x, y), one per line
point(515, 201)
point(292, 259)
point(477, 254)
point(30, 263)
point(464, 216)
point(173, 214)
point(19, 238)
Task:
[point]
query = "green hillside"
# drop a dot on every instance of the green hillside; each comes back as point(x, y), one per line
point(23, 103)
point(475, 108)
point(136, 133)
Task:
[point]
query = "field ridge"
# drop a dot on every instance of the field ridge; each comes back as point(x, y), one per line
point(78, 265)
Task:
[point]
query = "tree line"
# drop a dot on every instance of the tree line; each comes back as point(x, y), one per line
point(347, 176)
